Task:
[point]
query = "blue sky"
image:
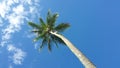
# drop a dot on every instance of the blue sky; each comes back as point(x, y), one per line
point(94, 30)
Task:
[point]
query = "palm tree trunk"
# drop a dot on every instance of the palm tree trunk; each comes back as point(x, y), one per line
point(84, 60)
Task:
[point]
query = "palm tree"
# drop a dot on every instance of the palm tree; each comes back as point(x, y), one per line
point(49, 33)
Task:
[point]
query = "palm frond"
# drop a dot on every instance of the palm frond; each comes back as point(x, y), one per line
point(57, 39)
point(61, 27)
point(37, 31)
point(42, 22)
point(54, 41)
point(37, 38)
point(53, 19)
point(43, 43)
point(49, 45)
point(41, 35)
point(34, 25)
point(48, 16)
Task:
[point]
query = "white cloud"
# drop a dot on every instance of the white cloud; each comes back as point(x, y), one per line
point(13, 14)
point(28, 1)
point(18, 55)
point(1, 22)
point(19, 9)
point(10, 2)
point(16, 15)
point(3, 9)
point(15, 21)
point(16, 1)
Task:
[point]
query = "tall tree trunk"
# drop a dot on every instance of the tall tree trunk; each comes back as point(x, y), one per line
point(84, 60)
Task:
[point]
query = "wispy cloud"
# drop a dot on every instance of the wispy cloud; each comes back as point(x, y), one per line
point(1, 22)
point(16, 15)
point(13, 14)
point(18, 54)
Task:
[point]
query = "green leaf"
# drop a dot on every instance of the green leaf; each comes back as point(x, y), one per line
point(49, 45)
point(53, 39)
point(43, 43)
point(42, 22)
point(61, 27)
point(54, 17)
point(34, 25)
point(51, 19)
point(48, 16)
point(37, 31)
point(39, 36)
point(57, 39)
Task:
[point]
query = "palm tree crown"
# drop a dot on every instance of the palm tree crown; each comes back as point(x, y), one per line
point(44, 28)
